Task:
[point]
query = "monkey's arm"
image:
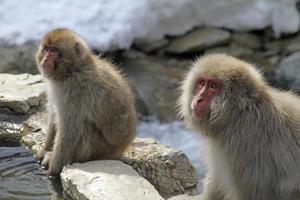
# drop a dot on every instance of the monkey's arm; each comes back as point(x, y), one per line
point(50, 135)
point(64, 146)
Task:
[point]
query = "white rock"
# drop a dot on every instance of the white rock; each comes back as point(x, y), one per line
point(106, 179)
point(117, 23)
point(19, 93)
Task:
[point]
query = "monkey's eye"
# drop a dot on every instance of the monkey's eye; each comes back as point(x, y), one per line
point(53, 50)
point(213, 86)
point(202, 82)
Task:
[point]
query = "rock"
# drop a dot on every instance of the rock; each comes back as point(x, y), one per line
point(289, 71)
point(293, 45)
point(169, 170)
point(19, 93)
point(151, 46)
point(234, 50)
point(155, 80)
point(186, 197)
point(106, 179)
point(246, 40)
point(18, 59)
point(198, 40)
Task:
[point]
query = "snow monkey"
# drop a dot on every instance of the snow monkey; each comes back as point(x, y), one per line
point(252, 130)
point(90, 105)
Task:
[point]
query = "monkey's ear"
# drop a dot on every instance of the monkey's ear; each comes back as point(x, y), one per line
point(80, 49)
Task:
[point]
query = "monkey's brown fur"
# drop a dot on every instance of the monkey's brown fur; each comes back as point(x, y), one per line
point(252, 132)
point(90, 105)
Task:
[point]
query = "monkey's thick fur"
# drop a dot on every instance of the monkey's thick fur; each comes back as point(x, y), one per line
point(90, 105)
point(252, 132)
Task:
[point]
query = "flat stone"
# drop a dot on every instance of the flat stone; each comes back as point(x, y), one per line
point(289, 70)
point(148, 47)
point(21, 92)
point(106, 179)
point(198, 40)
point(246, 40)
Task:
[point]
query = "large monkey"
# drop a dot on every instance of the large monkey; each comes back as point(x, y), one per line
point(252, 130)
point(91, 106)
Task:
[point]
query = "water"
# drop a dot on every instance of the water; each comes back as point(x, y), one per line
point(21, 178)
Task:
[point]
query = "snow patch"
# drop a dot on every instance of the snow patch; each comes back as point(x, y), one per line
point(115, 24)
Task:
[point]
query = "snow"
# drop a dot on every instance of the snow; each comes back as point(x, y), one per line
point(115, 24)
point(176, 136)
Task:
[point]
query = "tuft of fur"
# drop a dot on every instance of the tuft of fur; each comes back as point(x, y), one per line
point(252, 133)
point(90, 105)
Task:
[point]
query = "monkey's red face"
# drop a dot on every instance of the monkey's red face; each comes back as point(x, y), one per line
point(205, 90)
point(50, 54)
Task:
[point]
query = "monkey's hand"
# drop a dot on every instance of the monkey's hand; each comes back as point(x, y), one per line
point(40, 155)
point(46, 160)
point(55, 166)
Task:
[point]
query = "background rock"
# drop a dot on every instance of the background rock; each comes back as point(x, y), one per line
point(198, 40)
point(18, 59)
point(289, 71)
point(106, 179)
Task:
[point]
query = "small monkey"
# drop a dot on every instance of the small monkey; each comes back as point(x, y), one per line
point(90, 105)
point(252, 130)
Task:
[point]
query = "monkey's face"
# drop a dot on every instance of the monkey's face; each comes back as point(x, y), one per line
point(205, 90)
point(48, 59)
point(61, 54)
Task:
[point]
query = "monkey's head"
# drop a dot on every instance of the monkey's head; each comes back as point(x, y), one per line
point(216, 86)
point(62, 53)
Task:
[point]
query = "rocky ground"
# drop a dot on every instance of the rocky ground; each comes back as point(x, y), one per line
point(155, 71)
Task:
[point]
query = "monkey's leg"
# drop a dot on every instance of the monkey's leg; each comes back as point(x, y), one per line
point(49, 141)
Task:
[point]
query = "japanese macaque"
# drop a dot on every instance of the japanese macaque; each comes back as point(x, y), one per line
point(90, 105)
point(252, 130)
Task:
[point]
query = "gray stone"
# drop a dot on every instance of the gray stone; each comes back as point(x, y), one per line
point(198, 40)
point(169, 170)
point(18, 59)
point(289, 70)
point(106, 179)
point(151, 46)
point(21, 92)
point(246, 40)
point(186, 197)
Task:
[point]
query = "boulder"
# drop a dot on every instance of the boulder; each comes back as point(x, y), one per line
point(106, 179)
